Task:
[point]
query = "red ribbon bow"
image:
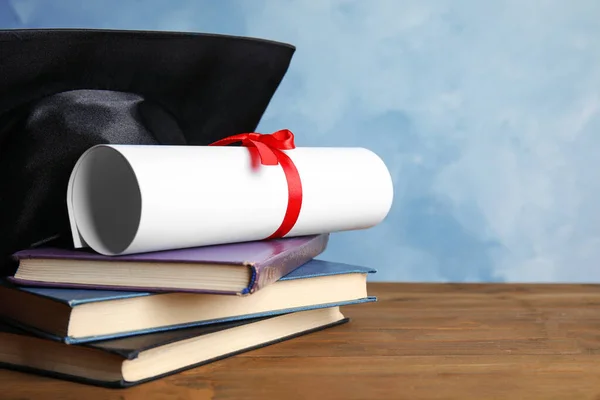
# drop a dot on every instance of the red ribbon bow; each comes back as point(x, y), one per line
point(268, 147)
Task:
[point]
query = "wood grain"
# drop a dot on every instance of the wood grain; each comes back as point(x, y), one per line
point(419, 341)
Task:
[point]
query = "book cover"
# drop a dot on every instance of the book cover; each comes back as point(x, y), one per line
point(268, 260)
point(134, 360)
point(13, 300)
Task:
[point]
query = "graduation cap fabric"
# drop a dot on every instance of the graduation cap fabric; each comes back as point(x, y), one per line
point(63, 91)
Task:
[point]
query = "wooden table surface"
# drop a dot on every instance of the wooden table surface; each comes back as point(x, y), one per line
point(420, 341)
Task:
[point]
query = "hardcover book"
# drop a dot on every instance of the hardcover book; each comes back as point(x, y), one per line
point(79, 316)
point(239, 268)
point(137, 359)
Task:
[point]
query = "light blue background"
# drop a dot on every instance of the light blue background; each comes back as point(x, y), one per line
point(486, 113)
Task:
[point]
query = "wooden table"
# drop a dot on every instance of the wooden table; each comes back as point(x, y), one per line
point(420, 341)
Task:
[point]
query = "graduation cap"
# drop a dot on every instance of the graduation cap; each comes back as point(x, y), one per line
point(63, 91)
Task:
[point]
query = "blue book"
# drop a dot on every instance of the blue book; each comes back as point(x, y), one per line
point(133, 360)
point(79, 316)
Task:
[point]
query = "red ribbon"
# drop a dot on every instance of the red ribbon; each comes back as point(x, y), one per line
point(268, 147)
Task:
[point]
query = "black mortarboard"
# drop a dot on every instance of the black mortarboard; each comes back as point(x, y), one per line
point(63, 91)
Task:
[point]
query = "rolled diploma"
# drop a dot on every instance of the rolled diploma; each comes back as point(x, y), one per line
point(125, 199)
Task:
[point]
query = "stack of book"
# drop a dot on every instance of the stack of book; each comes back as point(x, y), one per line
point(172, 268)
point(120, 321)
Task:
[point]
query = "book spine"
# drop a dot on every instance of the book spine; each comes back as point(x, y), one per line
point(283, 264)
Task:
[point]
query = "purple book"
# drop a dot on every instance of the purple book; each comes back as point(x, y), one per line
point(239, 268)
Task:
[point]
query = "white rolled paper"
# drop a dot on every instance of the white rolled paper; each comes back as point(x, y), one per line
point(125, 199)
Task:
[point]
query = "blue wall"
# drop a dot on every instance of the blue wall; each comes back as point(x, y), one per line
point(486, 114)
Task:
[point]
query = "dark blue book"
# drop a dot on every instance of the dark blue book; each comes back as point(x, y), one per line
point(136, 359)
point(80, 316)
